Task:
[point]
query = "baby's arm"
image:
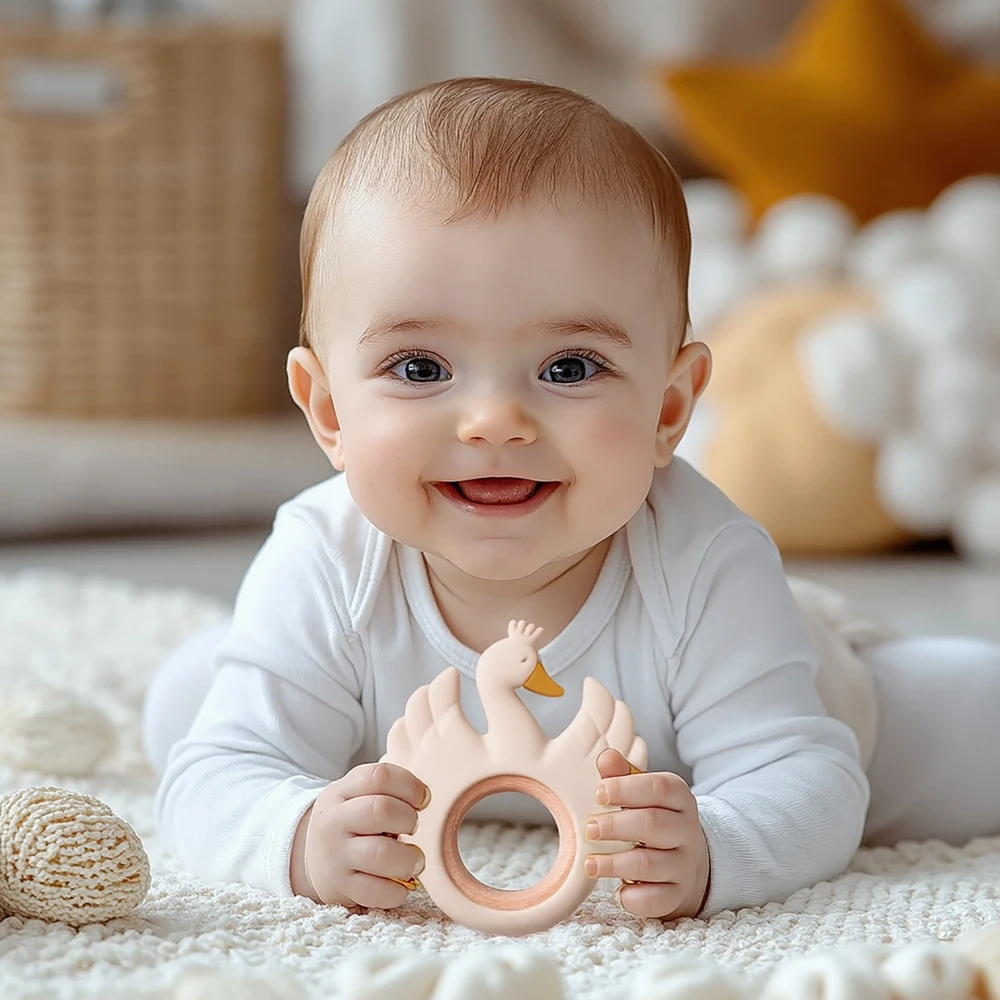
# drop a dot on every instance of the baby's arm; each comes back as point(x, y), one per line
point(282, 718)
point(781, 794)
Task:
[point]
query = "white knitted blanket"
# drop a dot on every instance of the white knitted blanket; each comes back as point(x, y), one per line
point(104, 638)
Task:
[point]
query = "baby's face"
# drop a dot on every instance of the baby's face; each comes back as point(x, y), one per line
point(498, 385)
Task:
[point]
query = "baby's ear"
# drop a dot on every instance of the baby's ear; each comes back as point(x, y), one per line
point(308, 384)
point(689, 375)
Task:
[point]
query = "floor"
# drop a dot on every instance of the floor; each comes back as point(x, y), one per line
point(925, 593)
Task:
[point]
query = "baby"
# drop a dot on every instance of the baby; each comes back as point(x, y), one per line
point(493, 353)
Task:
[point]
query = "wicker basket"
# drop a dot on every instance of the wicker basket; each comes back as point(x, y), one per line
point(141, 198)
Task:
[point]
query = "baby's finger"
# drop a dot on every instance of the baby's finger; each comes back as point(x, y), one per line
point(374, 814)
point(613, 763)
point(651, 899)
point(641, 864)
point(660, 789)
point(385, 779)
point(383, 857)
point(380, 893)
point(658, 828)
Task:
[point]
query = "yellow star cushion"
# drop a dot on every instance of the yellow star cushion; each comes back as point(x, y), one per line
point(858, 103)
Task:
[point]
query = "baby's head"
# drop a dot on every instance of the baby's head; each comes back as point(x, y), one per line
point(494, 306)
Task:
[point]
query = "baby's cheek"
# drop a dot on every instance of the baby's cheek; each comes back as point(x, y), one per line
point(614, 462)
point(383, 438)
point(617, 437)
point(383, 459)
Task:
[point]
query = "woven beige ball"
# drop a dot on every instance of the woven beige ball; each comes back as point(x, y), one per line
point(53, 731)
point(982, 948)
point(66, 856)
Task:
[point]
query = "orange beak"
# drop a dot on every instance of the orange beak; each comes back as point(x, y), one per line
point(540, 683)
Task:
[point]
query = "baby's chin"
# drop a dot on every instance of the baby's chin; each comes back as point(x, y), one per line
point(498, 560)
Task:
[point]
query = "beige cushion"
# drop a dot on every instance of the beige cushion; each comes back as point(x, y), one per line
point(810, 488)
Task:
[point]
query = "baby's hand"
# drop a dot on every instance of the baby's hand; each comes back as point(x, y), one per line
point(666, 874)
point(347, 848)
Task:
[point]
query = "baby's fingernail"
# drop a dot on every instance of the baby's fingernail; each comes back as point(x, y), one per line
point(421, 863)
point(593, 829)
point(590, 867)
point(427, 798)
point(602, 795)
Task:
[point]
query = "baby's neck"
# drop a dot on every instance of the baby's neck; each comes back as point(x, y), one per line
point(477, 611)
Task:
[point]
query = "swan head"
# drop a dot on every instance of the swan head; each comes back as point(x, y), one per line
point(514, 661)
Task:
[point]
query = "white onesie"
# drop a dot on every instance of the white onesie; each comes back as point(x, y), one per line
point(691, 623)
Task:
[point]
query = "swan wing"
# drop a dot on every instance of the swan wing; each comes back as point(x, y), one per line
point(431, 715)
point(408, 730)
point(585, 736)
point(620, 730)
point(445, 698)
point(398, 746)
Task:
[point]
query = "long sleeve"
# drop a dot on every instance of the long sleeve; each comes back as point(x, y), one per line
point(281, 720)
point(781, 794)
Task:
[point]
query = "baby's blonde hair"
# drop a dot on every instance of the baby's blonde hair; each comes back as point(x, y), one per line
point(483, 146)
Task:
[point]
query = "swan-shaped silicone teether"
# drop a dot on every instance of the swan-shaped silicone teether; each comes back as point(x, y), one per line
point(436, 742)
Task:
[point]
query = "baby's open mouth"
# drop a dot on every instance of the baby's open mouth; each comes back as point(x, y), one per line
point(497, 490)
point(498, 496)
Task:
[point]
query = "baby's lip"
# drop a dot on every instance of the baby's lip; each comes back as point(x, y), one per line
point(494, 475)
point(490, 475)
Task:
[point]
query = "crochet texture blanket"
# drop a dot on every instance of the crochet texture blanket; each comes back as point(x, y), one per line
point(104, 638)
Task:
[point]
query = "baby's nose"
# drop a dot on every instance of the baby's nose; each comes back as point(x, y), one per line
point(497, 420)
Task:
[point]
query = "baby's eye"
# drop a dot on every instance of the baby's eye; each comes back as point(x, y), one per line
point(574, 368)
point(420, 369)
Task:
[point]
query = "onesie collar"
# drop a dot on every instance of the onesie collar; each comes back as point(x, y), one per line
point(560, 652)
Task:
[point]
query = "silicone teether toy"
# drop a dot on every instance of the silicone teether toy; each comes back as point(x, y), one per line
point(461, 767)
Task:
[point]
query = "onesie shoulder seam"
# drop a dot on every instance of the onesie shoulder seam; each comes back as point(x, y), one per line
point(350, 607)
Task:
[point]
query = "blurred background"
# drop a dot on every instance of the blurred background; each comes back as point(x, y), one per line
point(841, 161)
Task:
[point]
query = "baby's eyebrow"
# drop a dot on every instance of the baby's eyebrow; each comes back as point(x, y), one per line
point(385, 326)
point(388, 326)
point(603, 327)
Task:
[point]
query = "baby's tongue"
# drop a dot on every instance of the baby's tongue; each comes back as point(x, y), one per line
point(497, 490)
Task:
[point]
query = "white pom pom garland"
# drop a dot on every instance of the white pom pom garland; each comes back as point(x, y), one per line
point(375, 975)
point(918, 378)
point(833, 976)
point(513, 972)
point(977, 521)
point(929, 970)
point(885, 244)
point(233, 984)
point(682, 978)
point(955, 398)
point(717, 212)
point(965, 220)
point(719, 277)
point(933, 305)
point(924, 970)
point(919, 484)
point(855, 373)
point(802, 236)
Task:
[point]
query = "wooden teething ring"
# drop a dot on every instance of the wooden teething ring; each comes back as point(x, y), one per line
point(436, 742)
point(509, 899)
